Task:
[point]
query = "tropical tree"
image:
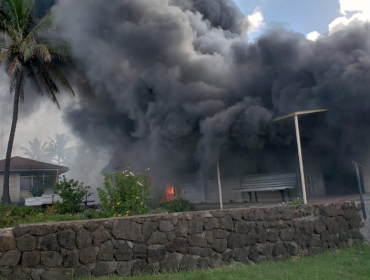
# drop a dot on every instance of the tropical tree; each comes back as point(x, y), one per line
point(37, 150)
point(27, 55)
point(58, 147)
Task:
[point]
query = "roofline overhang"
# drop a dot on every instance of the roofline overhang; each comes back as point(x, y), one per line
point(26, 170)
point(298, 113)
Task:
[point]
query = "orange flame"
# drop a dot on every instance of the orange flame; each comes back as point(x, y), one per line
point(169, 195)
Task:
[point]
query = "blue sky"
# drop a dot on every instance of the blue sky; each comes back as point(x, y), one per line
point(302, 16)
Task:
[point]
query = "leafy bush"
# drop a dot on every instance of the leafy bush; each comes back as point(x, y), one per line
point(179, 204)
point(36, 191)
point(125, 193)
point(73, 194)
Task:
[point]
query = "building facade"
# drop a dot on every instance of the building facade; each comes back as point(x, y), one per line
point(27, 173)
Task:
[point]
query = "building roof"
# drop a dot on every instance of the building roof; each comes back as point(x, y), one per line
point(26, 164)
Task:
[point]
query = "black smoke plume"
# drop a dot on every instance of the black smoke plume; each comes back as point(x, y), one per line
point(175, 86)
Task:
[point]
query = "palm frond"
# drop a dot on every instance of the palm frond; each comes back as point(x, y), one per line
point(26, 14)
point(37, 150)
point(4, 19)
point(25, 56)
point(58, 49)
point(7, 24)
point(31, 75)
point(4, 56)
point(42, 52)
point(12, 67)
point(14, 9)
point(26, 49)
point(45, 24)
point(58, 76)
point(47, 82)
point(12, 34)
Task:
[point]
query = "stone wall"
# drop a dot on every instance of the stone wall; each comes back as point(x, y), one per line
point(133, 245)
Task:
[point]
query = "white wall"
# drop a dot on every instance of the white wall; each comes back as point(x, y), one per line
point(14, 187)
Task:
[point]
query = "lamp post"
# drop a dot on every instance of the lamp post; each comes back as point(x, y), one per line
point(296, 121)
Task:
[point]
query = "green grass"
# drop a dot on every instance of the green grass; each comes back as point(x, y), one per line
point(296, 202)
point(13, 221)
point(349, 263)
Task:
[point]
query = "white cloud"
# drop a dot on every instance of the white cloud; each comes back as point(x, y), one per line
point(256, 21)
point(313, 36)
point(352, 11)
point(341, 22)
point(354, 6)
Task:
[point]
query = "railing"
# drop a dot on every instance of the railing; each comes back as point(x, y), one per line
point(360, 185)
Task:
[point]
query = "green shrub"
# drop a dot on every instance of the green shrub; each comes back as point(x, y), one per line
point(125, 193)
point(179, 204)
point(298, 201)
point(73, 194)
point(22, 211)
point(36, 191)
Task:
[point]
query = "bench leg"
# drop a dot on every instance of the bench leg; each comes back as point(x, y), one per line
point(282, 195)
point(250, 196)
point(255, 194)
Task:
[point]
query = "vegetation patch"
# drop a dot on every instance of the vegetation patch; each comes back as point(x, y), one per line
point(124, 194)
point(179, 204)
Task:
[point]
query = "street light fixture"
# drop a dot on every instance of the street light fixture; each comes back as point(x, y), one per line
point(295, 115)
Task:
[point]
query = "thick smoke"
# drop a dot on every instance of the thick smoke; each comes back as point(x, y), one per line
point(42, 7)
point(175, 85)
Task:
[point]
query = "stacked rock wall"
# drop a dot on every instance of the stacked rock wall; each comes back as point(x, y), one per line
point(128, 246)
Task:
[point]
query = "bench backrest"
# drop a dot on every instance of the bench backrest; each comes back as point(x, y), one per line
point(269, 181)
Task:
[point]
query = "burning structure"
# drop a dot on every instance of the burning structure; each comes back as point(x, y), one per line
point(175, 85)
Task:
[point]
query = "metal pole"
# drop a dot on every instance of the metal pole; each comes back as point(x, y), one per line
point(219, 186)
point(2, 134)
point(360, 189)
point(300, 159)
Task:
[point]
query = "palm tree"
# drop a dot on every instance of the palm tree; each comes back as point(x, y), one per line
point(57, 147)
point(27, 56)
point(37, 151)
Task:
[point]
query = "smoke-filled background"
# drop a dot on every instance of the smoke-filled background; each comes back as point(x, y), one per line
point(176, 85)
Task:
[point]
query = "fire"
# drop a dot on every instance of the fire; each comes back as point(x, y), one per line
point(169, 195)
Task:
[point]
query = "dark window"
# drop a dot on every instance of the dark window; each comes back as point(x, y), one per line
point(36, 180)
point(26, 183)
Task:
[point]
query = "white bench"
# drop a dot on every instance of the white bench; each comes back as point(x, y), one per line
point(49, 199)
point(268, 182)
point(46, 199)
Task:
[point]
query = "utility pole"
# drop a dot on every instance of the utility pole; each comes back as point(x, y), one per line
point(300, 157)
point(219, 185)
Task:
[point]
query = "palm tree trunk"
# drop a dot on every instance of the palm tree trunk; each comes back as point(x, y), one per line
point(6, 194)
